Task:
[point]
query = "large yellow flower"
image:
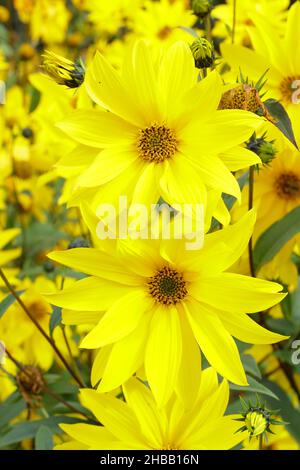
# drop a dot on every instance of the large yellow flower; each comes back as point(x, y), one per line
point(278, 55)
point(141, 424)
point(163, 135)
point(161, 300)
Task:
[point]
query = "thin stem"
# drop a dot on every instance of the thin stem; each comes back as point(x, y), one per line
point(207, 27)
point(250, 206)
point(260, 446)
point(233, 22)
point(47, 390)
point(41, 330)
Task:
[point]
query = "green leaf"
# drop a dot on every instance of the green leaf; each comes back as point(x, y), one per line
point(250, 365)
point(55, 319)
point(43, 237)
point(43, 439)
point(35, 99)
point(28, 429)
point(7, 302)
point(254, 386)
point(275, 237)
point(11, 408)
point(283, 122)
point(280, 325)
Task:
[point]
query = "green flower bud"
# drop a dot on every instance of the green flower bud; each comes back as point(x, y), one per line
point(201, 7)
point(203, 53)
point(256, 423)
point(63, 71)
point(264, 149)
point(267, 152)
point(257, 419)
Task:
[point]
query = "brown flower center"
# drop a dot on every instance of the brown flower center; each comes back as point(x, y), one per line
point(288, 87)
point(167, 286)
point(164, 32)
point(157, 143)
point(288, 186)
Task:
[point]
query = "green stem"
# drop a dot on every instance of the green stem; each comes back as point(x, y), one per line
point(207, 27)
point(250, 206)
point(38, 326)
point(233, 22)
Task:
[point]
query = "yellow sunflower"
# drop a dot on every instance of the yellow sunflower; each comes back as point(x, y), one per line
point(163, 135)
point(140, 424)
point(160, 301)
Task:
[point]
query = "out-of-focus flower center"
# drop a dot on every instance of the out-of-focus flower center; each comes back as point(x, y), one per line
point(288, 185)
point(164, 32)
point(39, 309)
point(288, 87)
point(167, 286)
point(157, 143)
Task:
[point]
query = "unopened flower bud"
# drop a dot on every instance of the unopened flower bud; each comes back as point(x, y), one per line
point(201, 8)
point(26, 51)
point(264, 149)
point(203, 52)
point(31, 383)
point(256, 423)
point(267, 152)
point(63, 71)
point(257, 419)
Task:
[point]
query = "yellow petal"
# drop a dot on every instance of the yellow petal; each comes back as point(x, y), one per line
point(98, 129)
point(141, 401)
point(107, 166)
point(120, 320)
point(163, 353)
point(242, 326)
point(216, 343)
point(239, 158)
point(70, 317)
point(126, 357)
point(7, 235)
point(189, 376)
point(89, 294)
point(237, 293)
point(106, 88)
point(112, 413)
point(96, 263)
point(88, 434)
point(220, 434)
